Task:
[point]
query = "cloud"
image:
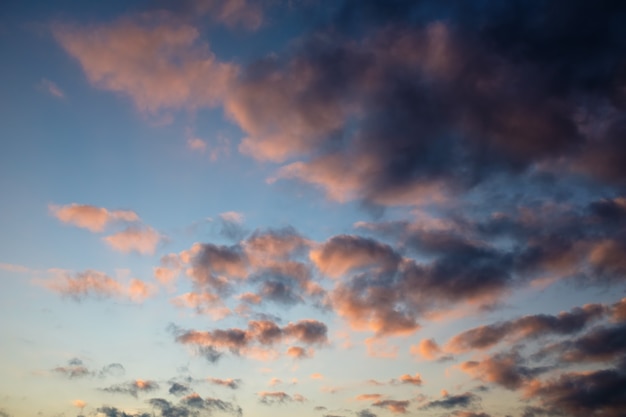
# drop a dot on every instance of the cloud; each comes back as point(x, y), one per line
point(232, 225)
point(369, 397)
point(427, 348)
point(204, 303)
point(79, 404)
point(115, 412)
point(89, 217)
point(527, 327)
point(384, 117)
point(85, 284)
point(298, 352)
point(196, 144)
point(274, 397)
point(399, 407)
point(179, 389)
point(133, 387)
point(14, 268)
point(95, 284)
point(143, 240)
point(452, 401)
point(52, 88)
point(260, 334)
point(229, 383)
point(154, 59)
point(233, 13)
point(592, 393)
point(505, 369)
point(74, 369)
point(194, 401)
point(600, 344)
point(408, 379)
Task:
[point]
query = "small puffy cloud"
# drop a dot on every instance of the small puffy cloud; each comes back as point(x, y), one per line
point(395, 406)
point(369, 397)
point(75, 368)
point(196, 144)
point(298, 352)
point(143, 240)
point(408, 379)
point(229, 383)
point(427, 349)
point(90, 217)
point(179, 389)
point(317, 376)
point(133, 388)
point(452, 401)
point(79, 404)
point(275, 381)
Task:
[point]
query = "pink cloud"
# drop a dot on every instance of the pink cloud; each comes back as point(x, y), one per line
point(91, 217)
point(196, 144)
point(159, 64)
point(142, 240)
point(97, 284)
point(427, 348)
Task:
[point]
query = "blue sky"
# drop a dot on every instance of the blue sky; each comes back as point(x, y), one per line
point(352, 208)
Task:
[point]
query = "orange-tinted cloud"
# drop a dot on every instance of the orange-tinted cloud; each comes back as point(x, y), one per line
point(408, 379)
point(90, 283)
point(395, 406)
point(369, 397)
point(159, 64)
point(79, 404)
point(91, 217)
point(229, 383)
point(142, 240)
point(255, 341)
point(427, 348)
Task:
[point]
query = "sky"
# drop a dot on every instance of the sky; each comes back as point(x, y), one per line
point(348, 208)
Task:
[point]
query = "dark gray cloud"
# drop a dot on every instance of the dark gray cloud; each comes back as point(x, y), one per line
point(365, 413)
point(395, 406)
point(596, 393)
point(179, 389)
point(507, 369)
point(452, 401)
point(600, 344)
point(113, 369)
point(114, 412)
point(527, 327)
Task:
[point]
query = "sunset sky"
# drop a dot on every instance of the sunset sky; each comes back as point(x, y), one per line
point(342, 208)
